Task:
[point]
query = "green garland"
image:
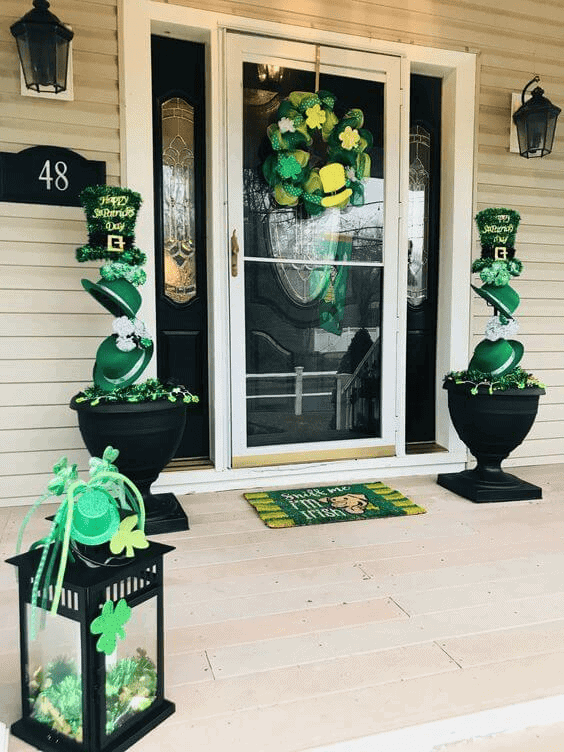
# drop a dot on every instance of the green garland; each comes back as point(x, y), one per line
point(497, 272)
point(133, 256)
point(148, 391)
point(293, 178)
point(518, 378)
point(498, 226)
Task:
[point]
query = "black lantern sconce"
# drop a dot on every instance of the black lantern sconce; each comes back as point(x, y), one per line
point(75, 697)
point(43, 46)
point(536, 122)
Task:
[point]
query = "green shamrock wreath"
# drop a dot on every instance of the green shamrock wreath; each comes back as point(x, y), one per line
point(300, 118)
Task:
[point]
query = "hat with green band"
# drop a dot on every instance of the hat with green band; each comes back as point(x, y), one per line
point(496, 358)
point(118, 296)
point(116, 368)
point(505, 299)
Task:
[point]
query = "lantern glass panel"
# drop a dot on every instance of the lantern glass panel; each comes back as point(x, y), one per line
point(131, 670)
point(55, 674)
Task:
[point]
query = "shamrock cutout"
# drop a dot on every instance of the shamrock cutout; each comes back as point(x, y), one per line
point(110, 625)
point(315, 116)
point(349, 138)
point(288, 166)
point(128, 538)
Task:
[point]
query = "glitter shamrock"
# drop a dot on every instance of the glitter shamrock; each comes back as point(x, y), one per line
point(349, 138)
point(288, 166)
point(315, 116)
point(127, 538)
point(109, 625)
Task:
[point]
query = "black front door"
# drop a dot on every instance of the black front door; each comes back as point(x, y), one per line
point(180, 252)
point(423, 258)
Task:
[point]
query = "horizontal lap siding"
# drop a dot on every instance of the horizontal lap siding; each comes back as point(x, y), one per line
point(49, 327)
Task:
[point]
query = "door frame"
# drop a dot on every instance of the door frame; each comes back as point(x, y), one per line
point(137, 19)
point(384, 69)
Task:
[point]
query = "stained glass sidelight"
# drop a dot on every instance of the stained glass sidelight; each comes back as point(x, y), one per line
point(418, 216)
point(178, 195)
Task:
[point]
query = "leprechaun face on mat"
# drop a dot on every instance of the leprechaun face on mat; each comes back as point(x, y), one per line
point(354, 503)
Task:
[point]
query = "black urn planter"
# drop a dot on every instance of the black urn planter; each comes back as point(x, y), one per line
point(147, 435)
point(491, 426)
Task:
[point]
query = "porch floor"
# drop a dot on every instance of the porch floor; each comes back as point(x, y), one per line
point(292, 639)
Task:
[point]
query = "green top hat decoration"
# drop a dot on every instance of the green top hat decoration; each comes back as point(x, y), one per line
point(106, 509)
point(111, 213)
point(496, 356)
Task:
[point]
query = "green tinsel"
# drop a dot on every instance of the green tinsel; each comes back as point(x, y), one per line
point(132, 256)
point(489, 218)
point(116, 270)
point(94, 196)
point(518, 378)
point(148, 391)
point(514, 266)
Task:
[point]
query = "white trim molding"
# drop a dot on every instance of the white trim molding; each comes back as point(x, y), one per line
point(137, 20)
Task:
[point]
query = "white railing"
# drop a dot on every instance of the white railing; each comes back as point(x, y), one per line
point(298, 394)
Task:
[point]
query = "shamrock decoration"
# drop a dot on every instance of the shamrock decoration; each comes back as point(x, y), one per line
point(65, 474)
point(315, 116)
point(128, 538)
point(109, 625)
point(105, 463)
point(349, 138)
point(288, 166)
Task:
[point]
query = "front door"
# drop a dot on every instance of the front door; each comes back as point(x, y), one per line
point(180, 242)
point(313, 292)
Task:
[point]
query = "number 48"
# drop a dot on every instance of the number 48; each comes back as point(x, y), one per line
point(61, 181)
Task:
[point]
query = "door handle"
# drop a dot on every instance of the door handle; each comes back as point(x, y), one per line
point(234, 254)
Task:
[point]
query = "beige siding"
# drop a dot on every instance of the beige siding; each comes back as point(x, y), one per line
point(49, 330)
point(49, 327)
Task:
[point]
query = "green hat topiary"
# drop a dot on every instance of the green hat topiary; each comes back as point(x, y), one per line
point(496, 358)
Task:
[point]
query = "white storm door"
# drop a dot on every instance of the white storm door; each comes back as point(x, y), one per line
point(314, 304)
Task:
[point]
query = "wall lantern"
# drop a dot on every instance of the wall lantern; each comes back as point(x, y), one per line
point(43, 46)
point(536, 122)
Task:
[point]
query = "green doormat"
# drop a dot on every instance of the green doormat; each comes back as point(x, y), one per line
point(315, 506)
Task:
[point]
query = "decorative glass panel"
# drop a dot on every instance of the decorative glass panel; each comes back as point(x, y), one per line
point(178, 191)
point(418, 217)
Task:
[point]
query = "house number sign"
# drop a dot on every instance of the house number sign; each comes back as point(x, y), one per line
point(47, 175)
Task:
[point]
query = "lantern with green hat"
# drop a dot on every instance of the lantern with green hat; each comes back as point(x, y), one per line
point(493, 404)
point(91, 616)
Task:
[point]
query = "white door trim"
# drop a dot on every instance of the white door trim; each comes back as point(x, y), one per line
point(137, 19)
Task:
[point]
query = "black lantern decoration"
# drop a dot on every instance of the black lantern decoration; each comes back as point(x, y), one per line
point(92, 675)
point(81, 687)
point(43, 46)
point(536, 122)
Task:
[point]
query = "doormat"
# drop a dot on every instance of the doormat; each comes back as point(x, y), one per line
point(316, 506)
